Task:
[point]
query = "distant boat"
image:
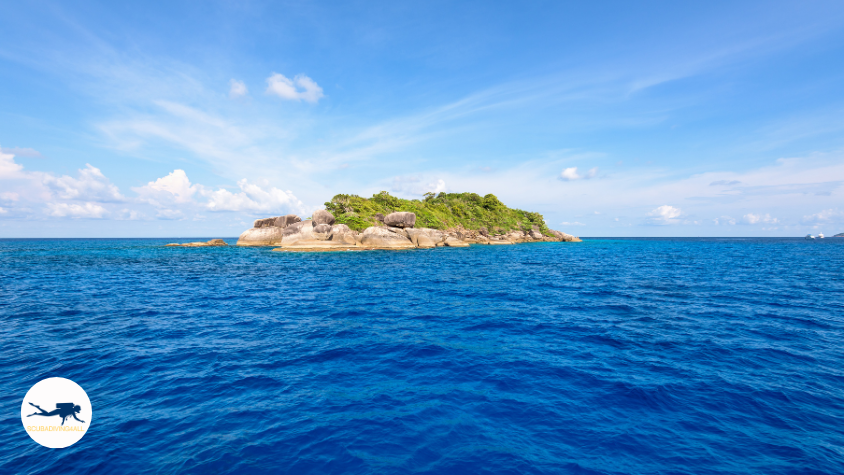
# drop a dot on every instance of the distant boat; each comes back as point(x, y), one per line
point(809, 236)
point(820, 235)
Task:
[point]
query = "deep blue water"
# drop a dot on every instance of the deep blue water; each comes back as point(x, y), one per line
point(610, 356)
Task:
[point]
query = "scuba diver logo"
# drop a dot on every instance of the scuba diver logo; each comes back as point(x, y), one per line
point(60, 427)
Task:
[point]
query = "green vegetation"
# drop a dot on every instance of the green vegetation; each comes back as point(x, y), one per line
point(442, 211)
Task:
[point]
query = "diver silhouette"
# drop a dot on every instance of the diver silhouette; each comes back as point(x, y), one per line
point(63, 409)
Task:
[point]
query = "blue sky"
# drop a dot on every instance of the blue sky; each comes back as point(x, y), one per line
point(609, 118)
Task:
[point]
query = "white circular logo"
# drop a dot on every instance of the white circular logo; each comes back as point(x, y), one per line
point(56, 412)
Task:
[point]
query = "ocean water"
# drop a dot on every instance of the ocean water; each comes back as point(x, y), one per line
point(612, 356)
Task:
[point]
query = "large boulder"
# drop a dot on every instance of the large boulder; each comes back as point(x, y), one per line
point(565, 237)
point(264, 223)
point(270, 236)
point(284, 221)
point(400, 219)
point(383, 238)
point(454, 242)
point(322, 216)
point(434, 235)
point(302, 230)
point(308, 235)
point(267, 231)
point(278, 221)
point(424, 242)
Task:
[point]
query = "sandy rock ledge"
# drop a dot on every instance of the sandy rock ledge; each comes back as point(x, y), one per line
point(211, 243)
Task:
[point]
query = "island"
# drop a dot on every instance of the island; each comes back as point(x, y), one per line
point(350, 222)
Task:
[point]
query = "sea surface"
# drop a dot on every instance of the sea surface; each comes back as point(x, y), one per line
point(611, 356)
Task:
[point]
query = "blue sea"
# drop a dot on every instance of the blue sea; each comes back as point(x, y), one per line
point(611, 356)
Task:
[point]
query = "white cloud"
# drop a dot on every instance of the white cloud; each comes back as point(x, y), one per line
point(253, 198)
point(724, 220)
point(72, 210)
point(237, 89)
point(8, 168)
point(566, 223)
point(301, 88)
point(3, 211)
point(91, 185)
point(751, 218)
point(824, 217)
point(175, 188)
point(571, 174)
point(665, 214)
point(438, 187)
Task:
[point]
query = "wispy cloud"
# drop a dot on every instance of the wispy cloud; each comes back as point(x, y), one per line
point(237, 89)
point(21, 152)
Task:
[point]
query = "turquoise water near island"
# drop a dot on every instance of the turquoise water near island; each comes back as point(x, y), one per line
point(611, 356)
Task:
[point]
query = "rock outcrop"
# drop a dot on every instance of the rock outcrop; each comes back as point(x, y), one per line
point(309, 235)
point(320, 233)
point(278, 222)
point(454, 242)
point(401, 219)
point(434, 235)
point(322, 216)
point(211, 243)
point(384, 238)
point(268, 231)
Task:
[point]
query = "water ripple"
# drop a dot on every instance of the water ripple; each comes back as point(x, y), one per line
point(705, 356)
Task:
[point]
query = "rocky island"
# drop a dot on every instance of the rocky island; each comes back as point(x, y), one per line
point(351, 222)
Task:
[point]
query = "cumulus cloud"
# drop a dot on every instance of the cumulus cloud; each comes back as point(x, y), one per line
point(300, 88)
point(438, 187)
point(252, 198)
point(665, 214)
point(72, 210)
point(91, 195)
point(237, 89)
point(8, 168)
point(91, 185)
point(571, 174)
point(724, 220)
point(173, 188)
point(751, 218)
